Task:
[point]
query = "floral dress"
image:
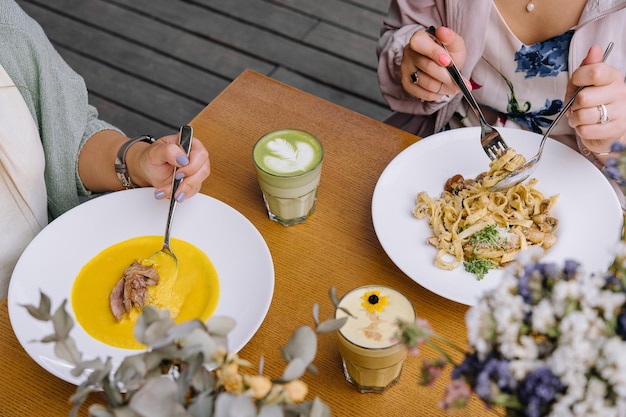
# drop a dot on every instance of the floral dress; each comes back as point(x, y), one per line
point(518, 85)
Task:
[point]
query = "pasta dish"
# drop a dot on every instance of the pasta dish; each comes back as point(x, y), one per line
point(483, 229)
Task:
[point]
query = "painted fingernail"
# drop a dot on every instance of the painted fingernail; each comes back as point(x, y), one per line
point(180, 197)
point(179, 175)
point(182, 160)
point(159, 195)
point(444, 60)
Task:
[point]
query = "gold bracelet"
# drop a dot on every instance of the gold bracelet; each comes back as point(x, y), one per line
point(120, 160)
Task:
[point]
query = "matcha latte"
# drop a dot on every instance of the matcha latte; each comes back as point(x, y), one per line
point(288, 164)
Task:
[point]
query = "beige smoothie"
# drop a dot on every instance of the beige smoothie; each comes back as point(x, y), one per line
point(289, 164)
point(372, 360)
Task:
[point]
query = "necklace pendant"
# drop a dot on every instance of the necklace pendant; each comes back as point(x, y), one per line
point(530, 6)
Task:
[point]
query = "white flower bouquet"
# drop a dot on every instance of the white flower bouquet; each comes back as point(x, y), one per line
point(549, 341)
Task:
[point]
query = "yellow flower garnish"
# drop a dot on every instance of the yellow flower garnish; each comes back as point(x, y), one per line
point(373, 301)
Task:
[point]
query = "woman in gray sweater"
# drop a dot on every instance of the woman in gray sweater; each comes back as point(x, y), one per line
point(54, 148)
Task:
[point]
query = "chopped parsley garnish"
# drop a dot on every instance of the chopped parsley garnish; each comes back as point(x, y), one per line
point(488, 237)
point(479, 267)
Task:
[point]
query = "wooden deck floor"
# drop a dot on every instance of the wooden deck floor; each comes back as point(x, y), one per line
point(151, 65)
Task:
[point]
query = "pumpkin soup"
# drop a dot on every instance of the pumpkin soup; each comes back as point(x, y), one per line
point(194, 296)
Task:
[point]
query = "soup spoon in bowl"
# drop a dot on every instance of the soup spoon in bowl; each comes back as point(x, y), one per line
point(523, 172)
point(165, 258)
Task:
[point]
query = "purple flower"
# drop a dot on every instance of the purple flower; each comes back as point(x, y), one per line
point(620, 326)
point(538, 391)
point(485, 376)
point(494, 371)
point(468, 368)
point(570, 269)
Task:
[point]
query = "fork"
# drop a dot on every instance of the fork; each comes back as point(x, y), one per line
point(490, 139)
point(526, 170)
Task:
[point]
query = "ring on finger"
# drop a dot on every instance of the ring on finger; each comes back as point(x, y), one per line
point(440, 87)
point(604, 114)
point(414, 77)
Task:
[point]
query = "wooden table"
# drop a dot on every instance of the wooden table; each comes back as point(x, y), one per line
point(336, 247)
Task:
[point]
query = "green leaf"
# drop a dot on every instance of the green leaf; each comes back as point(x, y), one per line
point(220, 325)
point(79, 396)
point(228, 405)
point(49, 338)
point(319, 409)
point(125, 412)
point(152, 325)
point(201, 405)
point(132, 370)
point(62, 321)
point(100, 374)
point(271, 410)
point(43, 311)
point(203, 381)
point(316, 314)
point(157, 398)
point(331, 325)
point(312, 369)
point(91, 364)
point(185, 378)
point(294, 370)
point(332, 293)
point(97, 410)
point(67, 351)
point(113, 393)
point(303, 344)
point(200, 341)
point(172, 334)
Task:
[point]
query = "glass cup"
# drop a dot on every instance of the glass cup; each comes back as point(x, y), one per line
point(372, 360)
point(288, 164)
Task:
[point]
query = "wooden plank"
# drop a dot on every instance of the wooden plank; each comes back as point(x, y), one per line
point(347, 44)
point(373, 110)
point(177, 42)
point(264, 14)
point(145, 98)
point(295, 25)
point(381, 6)
point(145, 63)
point(131, 123)
point(319, 65)
point(196, 47)
point(347, 15)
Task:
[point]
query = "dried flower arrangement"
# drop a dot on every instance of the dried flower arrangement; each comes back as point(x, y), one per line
point(187, 370)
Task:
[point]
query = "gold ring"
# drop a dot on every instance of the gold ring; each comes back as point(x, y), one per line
point(440, 87)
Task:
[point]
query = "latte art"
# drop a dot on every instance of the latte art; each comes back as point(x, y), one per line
point(289, 158)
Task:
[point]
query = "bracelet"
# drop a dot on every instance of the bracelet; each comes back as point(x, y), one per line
point(120, 160)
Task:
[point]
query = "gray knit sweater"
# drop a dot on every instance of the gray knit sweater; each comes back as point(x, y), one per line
point(57, 99)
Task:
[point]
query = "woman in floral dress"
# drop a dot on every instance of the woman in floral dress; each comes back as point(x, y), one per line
point(523, 59)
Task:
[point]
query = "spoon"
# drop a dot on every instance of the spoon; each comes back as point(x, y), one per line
point(523, 172)
point(165, 258)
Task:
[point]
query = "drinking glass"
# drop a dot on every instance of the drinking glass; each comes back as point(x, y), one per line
point(372, 359)
point(289, 164)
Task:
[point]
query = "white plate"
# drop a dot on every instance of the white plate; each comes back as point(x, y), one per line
point(54, 258)
point(589, 213)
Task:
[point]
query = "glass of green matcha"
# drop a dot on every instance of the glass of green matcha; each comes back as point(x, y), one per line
point(372, 360)
point(289, 164)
